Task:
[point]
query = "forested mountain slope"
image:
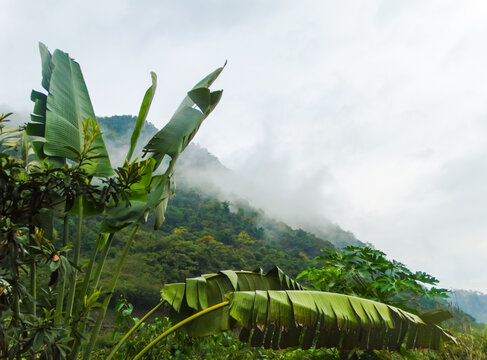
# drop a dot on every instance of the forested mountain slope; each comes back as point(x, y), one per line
point(208, 229)
point(198, 169)
point(204, 235)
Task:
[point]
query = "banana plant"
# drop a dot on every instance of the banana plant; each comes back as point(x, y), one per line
point(152, 192)
point(274, 311)
point(63, 132)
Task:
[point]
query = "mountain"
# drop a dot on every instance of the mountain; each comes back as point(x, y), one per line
point(198, 169)
point(211, 226)
point(472, 302)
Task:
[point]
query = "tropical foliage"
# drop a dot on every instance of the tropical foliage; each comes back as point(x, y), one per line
point(365, 272)
point(275, 311)
point(56, 170)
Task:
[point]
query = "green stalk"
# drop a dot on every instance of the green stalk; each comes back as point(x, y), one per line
point(66, 230)
point(79, 305)
point(60, 295)
point(96, 279)
point(126, 336)
point(86, 280)
point(77, 250)
point(101, 264)
point(33, 286)
point(15, 270)
point(178, 325)
point(101, 315)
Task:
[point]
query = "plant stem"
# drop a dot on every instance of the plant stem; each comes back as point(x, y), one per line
point(106, 301)
point(81, 324)
point(77, 249)
point(60, 296)
point(66, 230)
point(178, 325)
point(101, 264)
point(15, 276)
point(96, 280)
point(86, 280)
point(33, 286)
point(126, 336)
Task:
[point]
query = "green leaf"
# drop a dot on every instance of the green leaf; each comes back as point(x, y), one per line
point(287, 316)
point(436, 316)
point(144, 110)
point(47, 66)
point(277, 312)
point(118, 217)
point(68, 106)
point(210, 289)
point(140, 189)
point(183, 126)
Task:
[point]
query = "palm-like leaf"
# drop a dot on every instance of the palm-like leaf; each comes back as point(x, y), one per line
point(180, 130)
point(275, 311)
point(58, 117)
point(9, 137)
point(144, 110)
point(207, 290)
point(280, 319)
point(173, 138)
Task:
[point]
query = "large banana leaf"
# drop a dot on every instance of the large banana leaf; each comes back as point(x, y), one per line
point(280, 319)
point(207, 290)
point(173, 138)
point(59, 118)
point(285, 318)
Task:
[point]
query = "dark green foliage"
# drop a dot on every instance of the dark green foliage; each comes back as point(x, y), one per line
point(368, 273)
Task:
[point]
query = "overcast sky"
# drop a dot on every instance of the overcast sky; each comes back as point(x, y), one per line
point(373, 112)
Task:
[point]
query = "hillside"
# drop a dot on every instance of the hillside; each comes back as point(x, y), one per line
point(472, 302)
point(200, 170)
point(211, 226)
point(204, 235)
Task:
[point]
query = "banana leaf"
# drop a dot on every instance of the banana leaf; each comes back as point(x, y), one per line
point(207, 290)
point(57, 119)
point(144, 110)
point(173, 138)
point(280, 319)
point(276, 312)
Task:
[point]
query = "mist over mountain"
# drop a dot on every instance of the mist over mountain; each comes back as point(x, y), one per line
point(472, 302)
point(198, 168)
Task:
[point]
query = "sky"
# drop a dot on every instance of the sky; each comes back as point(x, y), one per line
point(372, 114)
